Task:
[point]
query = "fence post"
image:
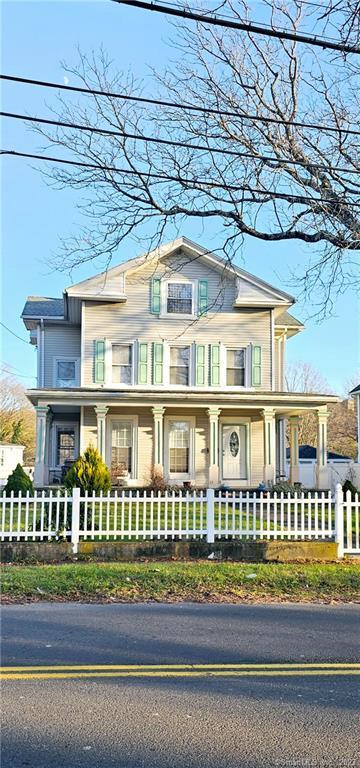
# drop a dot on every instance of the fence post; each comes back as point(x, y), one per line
point(75, 520)
point(210, 517)
point(339, 520)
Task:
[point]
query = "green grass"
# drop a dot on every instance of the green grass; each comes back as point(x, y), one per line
point(178, 581)
point(164, 517)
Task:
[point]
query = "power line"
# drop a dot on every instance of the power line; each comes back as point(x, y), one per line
point(13, 333)
point(241, 25)
point(290, 197)
point(177, 143)
point(182, 106)
point(16, 375)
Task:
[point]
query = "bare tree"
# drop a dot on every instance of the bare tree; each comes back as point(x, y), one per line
point(263, 178)
point(303, 377)
point(17, 417)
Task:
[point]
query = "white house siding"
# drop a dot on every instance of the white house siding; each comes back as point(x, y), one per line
point(133, 319)
point(145, 439)
point(60, 341)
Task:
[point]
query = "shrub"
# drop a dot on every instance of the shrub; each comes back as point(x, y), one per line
point(89, 473)
point(18, 481)
point(349, 486)
point(285, 487)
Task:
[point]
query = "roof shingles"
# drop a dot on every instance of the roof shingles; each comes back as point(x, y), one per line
point(43, 306)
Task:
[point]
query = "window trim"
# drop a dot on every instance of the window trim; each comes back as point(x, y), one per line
point(191, 365)
point(247, 361)
point(58, 426)
point(180, 476)
point(109, 344)
point(70, 359)
point(164, 297)
point(134, 421)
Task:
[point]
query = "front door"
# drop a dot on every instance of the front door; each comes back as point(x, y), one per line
point(234, 461)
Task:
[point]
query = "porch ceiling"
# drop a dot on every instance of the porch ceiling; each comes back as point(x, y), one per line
point(287, 403)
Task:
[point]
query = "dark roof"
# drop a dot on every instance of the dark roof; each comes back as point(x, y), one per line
point(309, 452)
point(355, 390)
point(289, 320)
point(43, 306)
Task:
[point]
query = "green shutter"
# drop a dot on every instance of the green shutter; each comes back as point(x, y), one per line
point(202, 297)
point(158, 362)
point(200, 365)
point(256, 367)
point(155, 299)
point(99, 361)
point(215, 365)
point(142, 363)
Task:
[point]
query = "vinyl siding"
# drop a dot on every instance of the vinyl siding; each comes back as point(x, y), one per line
point(146, 445)
point(59, 341)
point(126, 322)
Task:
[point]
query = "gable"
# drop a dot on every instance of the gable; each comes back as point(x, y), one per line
point(184, 260)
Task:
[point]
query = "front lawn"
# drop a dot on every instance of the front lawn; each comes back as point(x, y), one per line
point(178, 581)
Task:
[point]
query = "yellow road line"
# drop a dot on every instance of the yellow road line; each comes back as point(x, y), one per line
point(182, 673)
point(154, 667)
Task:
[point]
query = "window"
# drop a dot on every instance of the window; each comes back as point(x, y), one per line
point(179, 299)
point(121, 364)
point(235, 367)
point(65, 446)
point(122, 446)
point(179, 365)
point(179, 443)
point(65, 372)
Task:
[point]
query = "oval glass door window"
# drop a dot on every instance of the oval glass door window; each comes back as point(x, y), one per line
point(234, 444)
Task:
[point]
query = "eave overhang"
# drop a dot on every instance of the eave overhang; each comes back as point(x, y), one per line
point(140, 397)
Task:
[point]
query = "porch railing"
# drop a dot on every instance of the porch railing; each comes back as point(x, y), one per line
point(133, 515)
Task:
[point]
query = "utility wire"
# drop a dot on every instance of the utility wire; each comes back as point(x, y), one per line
point(182, 106)
point(302, 199)
point(15, 375)
point(241, 25)
point(178, 143)
point(13, 333)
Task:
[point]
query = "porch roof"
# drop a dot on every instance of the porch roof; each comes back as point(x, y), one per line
point(252, 400)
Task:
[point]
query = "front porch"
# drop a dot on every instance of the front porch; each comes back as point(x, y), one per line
point(213, 443)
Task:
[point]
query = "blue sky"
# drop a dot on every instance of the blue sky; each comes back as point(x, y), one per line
point(37, 37)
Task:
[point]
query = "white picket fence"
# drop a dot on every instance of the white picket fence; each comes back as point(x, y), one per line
point(133, 515)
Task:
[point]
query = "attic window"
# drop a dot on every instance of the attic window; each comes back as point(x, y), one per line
point(179, 299)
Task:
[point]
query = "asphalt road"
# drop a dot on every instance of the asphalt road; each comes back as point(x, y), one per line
point(267, 718)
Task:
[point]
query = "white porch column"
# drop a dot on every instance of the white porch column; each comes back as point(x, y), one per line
point(101, 412)
point(214, 471)
point(294, 449)
point(269, 445)
point(281, 448)
point(322, 471)
point(40, 469)
point(158, 414)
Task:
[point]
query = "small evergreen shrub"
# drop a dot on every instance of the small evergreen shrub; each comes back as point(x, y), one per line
point(89, 473)
point(18, 481)
point(349, 486)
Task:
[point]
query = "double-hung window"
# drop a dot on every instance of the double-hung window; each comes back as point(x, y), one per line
point(65, 446)
point(179, 447)
point(235, 367)
point(122, 446)
point(180, 365)
point(179, 299)
point(122, 363)
point(66, 372)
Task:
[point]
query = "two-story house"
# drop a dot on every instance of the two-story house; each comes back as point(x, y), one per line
point(172, 362)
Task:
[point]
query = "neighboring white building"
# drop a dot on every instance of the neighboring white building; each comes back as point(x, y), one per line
point(10, 456)
point(340, 467)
